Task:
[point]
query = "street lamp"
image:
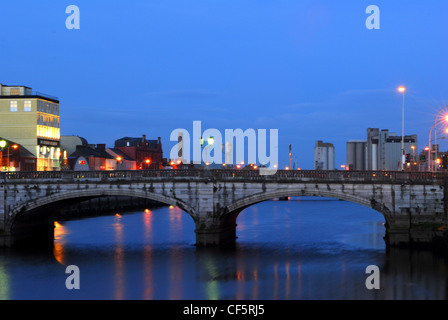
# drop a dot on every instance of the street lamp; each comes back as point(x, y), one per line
point(210, 142)
point(435, 137)
point(402, 90)
point(3, 144)
point(435, 130)
point(429, 157)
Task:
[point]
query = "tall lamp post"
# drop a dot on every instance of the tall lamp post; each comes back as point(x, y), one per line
point(429, 149)
point(435, 130)
point(2, 146)
point(436, 122)
point(210, 142)
point(402, 90)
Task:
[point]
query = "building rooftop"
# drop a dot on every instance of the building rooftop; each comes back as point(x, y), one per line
point(137, 142)
point(23, 92)
point(90, 151)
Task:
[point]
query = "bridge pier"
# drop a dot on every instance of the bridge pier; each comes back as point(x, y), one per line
point(223, 236)
point(217, 229)
point(415, 231)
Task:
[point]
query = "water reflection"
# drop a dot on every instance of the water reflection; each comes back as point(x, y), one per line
point(4, 281)
point(119, 257)
point(148, 293)
point(285, 250)
point(59, 242)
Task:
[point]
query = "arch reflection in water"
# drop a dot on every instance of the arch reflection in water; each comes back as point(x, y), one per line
point(59, 242)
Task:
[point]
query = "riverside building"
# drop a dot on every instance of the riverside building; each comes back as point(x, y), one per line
point(32, 120)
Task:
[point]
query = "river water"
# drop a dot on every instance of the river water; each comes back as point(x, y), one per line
point(304, 248)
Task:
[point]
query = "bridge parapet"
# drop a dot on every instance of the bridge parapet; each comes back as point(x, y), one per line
point(226, 174)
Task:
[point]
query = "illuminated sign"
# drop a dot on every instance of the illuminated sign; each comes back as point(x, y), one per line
point(82, 162)
point(49, 143)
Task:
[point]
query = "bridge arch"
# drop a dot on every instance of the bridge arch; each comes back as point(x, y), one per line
point(234, 209)
point(22, 210)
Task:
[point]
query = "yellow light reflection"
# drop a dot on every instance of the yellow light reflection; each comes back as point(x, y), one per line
point(58, 248)
point(148, 280)
point(119, 259)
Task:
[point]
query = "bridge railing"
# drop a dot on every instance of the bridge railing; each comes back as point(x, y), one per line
point(378, 176)
point(302, 175)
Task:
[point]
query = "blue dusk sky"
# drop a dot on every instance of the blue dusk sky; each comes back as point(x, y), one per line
point(309, 68)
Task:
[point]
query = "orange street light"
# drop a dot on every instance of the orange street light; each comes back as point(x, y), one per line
point(401, 89)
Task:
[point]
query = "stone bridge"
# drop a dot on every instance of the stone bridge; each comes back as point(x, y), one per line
point(414, 204)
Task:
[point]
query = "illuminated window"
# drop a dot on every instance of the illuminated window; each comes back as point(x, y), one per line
point(13, 106)
point(15, 91)
point(48, 132)
point(27, 106)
